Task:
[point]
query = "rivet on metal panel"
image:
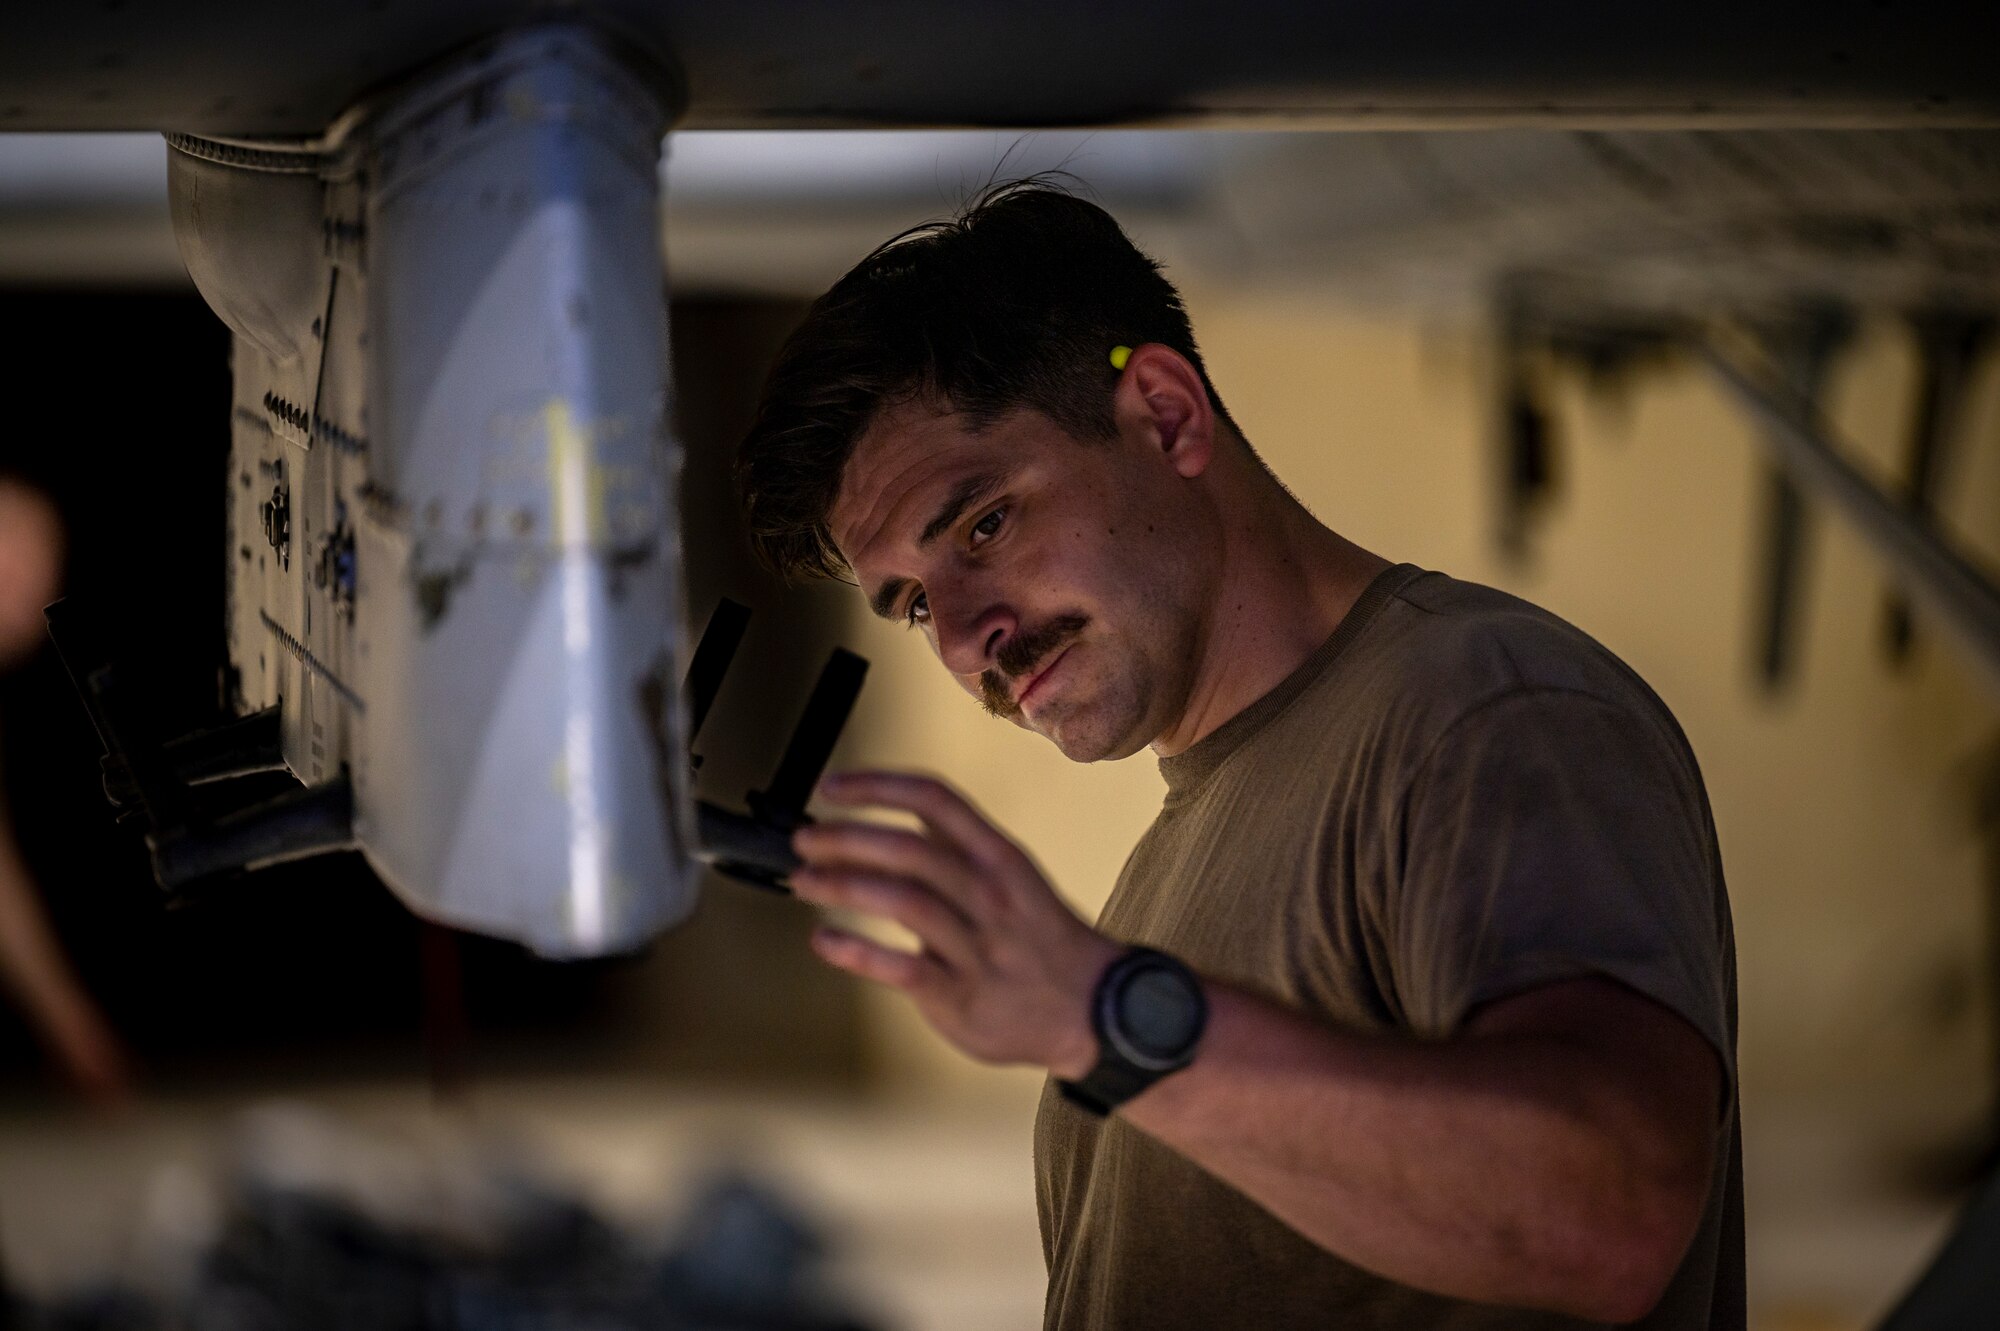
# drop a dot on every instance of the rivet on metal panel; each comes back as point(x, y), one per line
point(277, 513)
point(434, 591)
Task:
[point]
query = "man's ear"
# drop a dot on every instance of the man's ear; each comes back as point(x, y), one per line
point(1160, 398)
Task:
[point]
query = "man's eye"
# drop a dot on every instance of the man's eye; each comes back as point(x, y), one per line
point(989, 526)
point(918, 610)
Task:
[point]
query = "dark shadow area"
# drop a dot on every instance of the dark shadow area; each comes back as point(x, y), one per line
point(309, 970)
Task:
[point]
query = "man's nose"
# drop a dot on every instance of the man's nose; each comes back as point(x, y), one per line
point(969, 640)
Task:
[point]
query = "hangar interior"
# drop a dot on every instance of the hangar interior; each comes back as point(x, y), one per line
point(1509, 352)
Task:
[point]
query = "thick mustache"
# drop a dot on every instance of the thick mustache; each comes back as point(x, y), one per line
point(1019, 656)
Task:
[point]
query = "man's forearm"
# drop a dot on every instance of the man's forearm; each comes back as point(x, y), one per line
point(1503, 1168)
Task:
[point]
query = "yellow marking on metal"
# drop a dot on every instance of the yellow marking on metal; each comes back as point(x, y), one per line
point(576, 481)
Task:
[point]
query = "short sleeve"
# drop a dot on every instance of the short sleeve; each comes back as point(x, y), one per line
point(1548, 835)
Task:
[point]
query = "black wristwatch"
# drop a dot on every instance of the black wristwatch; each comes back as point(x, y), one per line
point(1148, 1012)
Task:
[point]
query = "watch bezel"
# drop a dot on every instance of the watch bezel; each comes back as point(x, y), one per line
point(1111, 991)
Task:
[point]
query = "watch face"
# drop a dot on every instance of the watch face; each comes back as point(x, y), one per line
point(1159, 1012)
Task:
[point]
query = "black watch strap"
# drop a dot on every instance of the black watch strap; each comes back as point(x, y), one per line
point(1121, 1073)
point(1106, 1086)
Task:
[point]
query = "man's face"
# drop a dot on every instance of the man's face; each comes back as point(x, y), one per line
point(1055, 578)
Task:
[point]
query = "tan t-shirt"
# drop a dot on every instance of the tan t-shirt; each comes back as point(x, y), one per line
point(1459, 796)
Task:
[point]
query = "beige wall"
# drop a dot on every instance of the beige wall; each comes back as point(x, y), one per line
point(1842, 806)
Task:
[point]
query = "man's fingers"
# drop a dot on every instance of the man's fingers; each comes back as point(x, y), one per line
point(935, 922)
point(887, 849)
point(943, 810)
point(873, 961)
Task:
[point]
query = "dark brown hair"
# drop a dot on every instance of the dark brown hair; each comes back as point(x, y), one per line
point(1014, 303)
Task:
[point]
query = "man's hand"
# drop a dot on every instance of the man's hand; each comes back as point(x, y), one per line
point(1005, 970)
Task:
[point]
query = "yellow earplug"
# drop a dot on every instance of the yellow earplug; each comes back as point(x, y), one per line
point(1119, 355)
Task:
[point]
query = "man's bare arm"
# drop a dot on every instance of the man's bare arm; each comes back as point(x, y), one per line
point(1556, 1154)
point(33, 966)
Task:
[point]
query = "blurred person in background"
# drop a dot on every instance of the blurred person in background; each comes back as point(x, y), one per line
point(31, 960)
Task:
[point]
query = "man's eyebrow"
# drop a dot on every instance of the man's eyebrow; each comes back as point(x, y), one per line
point(961, 498)
point(883, 602)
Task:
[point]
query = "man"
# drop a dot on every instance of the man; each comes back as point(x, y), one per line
point(1433, 1024)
